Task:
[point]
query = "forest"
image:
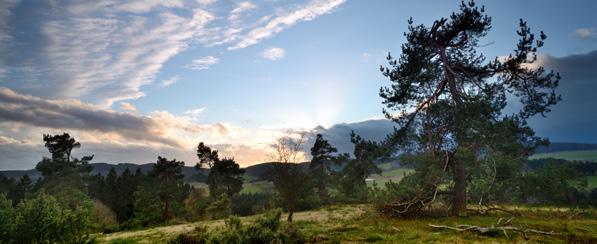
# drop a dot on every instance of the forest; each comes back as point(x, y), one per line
point(464, 168)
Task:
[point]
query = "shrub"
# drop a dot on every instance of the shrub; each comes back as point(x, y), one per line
point(266, 229)
point(45, 219)
point(221, 208)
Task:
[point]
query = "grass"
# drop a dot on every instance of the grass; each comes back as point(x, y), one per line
point(257, 186)
point(592, 182)
point(586, 155)
point(360, 223)
point(391, 175)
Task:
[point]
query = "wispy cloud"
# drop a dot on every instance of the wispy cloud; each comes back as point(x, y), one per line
point(285, 20)
point(274, 53)
point(107, 57)
point(143, 6)
point(170, 81)
point(202, 63)
point(585, 33)
point(239, 9)
point(5, 36)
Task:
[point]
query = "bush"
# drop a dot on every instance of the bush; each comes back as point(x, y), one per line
point(196, 203)
point(103, 217)
point(221, 208)
point(266, 229)
point(45, 219)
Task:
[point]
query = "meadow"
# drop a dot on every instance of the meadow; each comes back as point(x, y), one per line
point(361, 223)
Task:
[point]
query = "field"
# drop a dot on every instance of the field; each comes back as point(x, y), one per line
point(585, 155)
point(592, 182)
point(360, 223)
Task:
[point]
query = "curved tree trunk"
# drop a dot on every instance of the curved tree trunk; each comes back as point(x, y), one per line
point(289, 219)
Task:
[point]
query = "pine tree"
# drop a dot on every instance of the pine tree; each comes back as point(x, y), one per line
point(321, 163)
point(448, 100)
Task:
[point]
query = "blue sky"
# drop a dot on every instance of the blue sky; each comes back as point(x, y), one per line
point(168, 74)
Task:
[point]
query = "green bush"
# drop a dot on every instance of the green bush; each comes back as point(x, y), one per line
point(46, 219)
point(266, 229)
point(220, 208)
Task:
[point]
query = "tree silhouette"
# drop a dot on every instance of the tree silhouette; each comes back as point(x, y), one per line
point(168, 174)
point(448, 100)
point(290, 180)
point(62, 168)
point(225, 175)
point(320, 165)
point(353, 179)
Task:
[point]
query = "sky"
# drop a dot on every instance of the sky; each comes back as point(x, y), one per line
point(132, 80)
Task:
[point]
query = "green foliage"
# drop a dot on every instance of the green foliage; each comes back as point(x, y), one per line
point(7, 218)
point(160, 196)
point(552, 183)
point(103, 217)
point(245, 204)
point(265, 229)
point(447, 100)
point(352, 179)
point(225, 175)
point(45, 218)
point(196, 203)
point(220, 208)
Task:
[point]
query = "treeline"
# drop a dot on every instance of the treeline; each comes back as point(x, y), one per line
point(68, 203)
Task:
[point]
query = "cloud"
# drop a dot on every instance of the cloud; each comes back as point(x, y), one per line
point(573, 119)
point(365, 56)
point(170, 81)
point(194, 113)
point(128, 107)
point(158, 128)
point(205, 3)
point(97, 53)
point(282, 21)
point(144, 6)
point(5, 36)
point(202, 63)
point(239, 9)
point(274, 53)
point(585, 33)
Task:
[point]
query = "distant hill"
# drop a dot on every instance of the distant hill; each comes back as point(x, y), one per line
point(565, 146)
point(190, 174)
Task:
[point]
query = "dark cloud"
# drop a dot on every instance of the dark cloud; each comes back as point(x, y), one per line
point(574, 119)
point(338, 135)
point(72, 114)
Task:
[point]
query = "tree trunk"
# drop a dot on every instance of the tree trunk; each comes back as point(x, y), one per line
point(289, 219)
point(459, 200)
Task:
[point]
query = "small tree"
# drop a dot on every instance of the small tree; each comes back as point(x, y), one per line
point(321, 163)
point(290, 180)
point(225, 175)
point(354, 175)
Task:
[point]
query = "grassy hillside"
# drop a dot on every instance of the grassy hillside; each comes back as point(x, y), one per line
point(585, 155)
point(360, 223)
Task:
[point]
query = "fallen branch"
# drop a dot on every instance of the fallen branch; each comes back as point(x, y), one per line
point(487, 210)
point(501, 227)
